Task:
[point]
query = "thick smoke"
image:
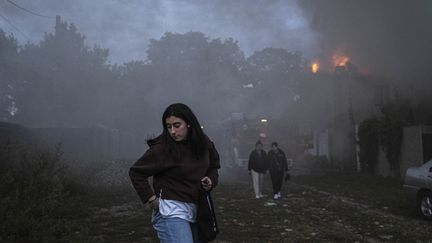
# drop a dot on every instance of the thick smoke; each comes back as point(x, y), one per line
point(384, 37)
point(389, 37)
point(125, 27)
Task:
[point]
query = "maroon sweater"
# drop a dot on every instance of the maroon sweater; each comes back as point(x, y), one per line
point(174, 180)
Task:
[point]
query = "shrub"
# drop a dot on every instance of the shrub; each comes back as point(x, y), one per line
point(368, 134)
point(385, 132)
point(36, 203)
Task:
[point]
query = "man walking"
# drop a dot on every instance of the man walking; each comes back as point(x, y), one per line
point(278, 166)
point(257, 167)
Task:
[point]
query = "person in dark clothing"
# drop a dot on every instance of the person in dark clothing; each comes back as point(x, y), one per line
point(278, 166)
point(257, 167)
point(183, 162)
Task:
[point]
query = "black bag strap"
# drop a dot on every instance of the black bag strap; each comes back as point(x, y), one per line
point(209, 201)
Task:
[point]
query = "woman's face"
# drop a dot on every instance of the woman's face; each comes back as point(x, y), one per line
point(177, 128)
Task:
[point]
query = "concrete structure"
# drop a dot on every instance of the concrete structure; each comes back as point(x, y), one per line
point(416, 147)
point(91, 144)
point(85, 144)
point(320, 144)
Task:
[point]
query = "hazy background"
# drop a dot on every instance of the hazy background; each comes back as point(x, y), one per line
point(80, 94)
point(384, 38)
point(130, 24)
point(391, 37)
point(381, 37)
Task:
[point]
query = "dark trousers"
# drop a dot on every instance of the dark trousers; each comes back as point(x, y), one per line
point(277, 179)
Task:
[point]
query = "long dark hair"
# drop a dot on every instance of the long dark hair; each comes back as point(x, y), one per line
point(196, 137)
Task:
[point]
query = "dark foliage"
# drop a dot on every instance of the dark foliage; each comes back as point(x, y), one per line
point(386, 133)
point(368, 134)
point(36, 203)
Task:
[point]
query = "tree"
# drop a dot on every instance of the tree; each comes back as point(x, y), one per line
point(10, 82)
point(65, 78)
point(275, 65)
point(276, 75)
point(194, 69)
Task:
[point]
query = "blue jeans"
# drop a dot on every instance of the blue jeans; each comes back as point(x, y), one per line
point(170, 230)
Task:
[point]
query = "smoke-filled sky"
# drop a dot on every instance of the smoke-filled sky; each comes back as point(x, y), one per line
point(390, 37)
point(125, 26)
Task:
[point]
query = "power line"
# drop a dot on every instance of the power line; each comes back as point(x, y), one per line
point(29, 11)
point(13, 26)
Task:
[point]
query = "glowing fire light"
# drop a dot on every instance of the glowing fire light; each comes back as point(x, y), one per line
point(315, 67)
point(340, 59)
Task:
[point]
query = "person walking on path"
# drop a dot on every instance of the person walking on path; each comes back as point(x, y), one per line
point(278, 166)
point(183, 162)
point(257, 167)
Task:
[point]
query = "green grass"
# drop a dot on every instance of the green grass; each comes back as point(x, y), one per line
point(303, 215)
point(313, 209)
point(381, 192)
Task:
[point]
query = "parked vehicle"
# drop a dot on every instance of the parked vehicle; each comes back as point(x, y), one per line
point(418, 188)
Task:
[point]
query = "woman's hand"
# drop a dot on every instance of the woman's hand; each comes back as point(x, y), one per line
point(153, 203)
point(206, 183)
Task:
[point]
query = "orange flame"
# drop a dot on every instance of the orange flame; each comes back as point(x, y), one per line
point(315, 67)
point(339, 59)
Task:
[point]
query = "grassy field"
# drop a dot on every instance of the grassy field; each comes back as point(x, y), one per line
point(327, 208)
point(379, 192)
point(44, 199)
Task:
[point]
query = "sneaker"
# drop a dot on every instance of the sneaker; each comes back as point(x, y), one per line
point(275, 196)
point(257, 197)
point(261, 195)
point(279, 194)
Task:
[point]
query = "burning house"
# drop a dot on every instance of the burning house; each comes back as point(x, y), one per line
point(345, 98)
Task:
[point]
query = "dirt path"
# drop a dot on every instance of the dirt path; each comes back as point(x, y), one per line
point(369, 223)
point(304, 214)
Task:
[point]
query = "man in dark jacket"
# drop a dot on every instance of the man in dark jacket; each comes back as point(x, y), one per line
point(278, 166)
point(257, 167)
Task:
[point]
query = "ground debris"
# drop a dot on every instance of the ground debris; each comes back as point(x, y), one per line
point(306, 214)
